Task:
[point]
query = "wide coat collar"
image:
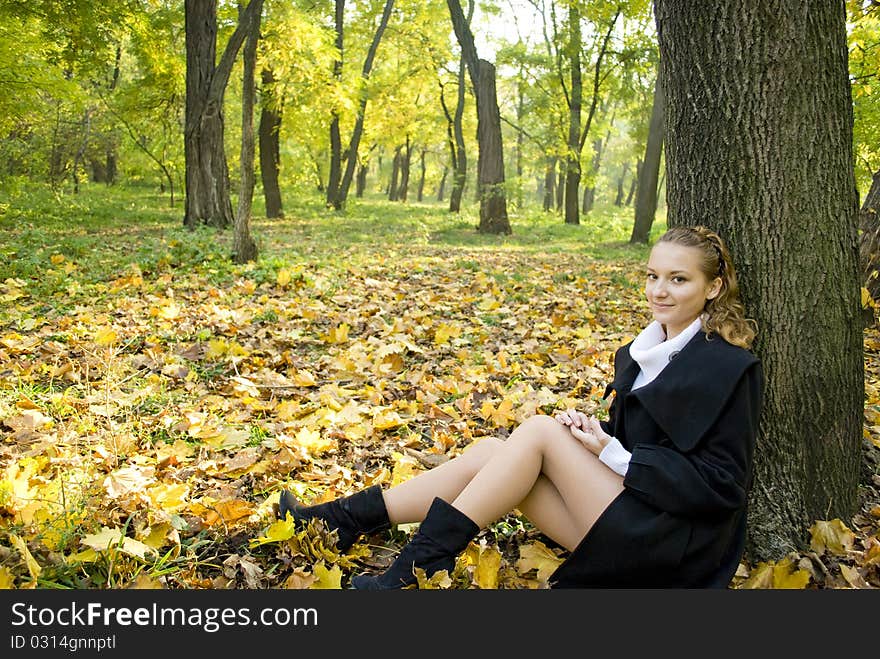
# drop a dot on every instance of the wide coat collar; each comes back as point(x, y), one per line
point(686, 398)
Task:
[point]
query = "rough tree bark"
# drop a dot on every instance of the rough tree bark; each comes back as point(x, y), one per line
point(649, 173)
point(490, 160)
point(759, 148)
point(270, 148)
point(335, 174)
point(207, 174)
point(244, 249)
point(573, 157)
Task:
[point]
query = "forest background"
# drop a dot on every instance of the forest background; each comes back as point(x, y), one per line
point(171, 357)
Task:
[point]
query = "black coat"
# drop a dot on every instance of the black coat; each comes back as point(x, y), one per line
point(681, 518)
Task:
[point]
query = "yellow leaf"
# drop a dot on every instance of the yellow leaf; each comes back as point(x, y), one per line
point(312, 441)
point(304, 378)
point(32, 565)
point(106, 337)
point(500, 416)
point(145, 582)
point(7, 580)
point(57, 259)
point(446, 331)
point(537, 556)
point(327, 579)
point(338, 334)
point(867, 300)
point(170, 498)
point(487, 562)
point(108, 538)
point(439, 580)
point(170, 311)
point(833, 536)
point(384, 419)
point(216, 349)
point(781, 575)
point(283, 277)
point(405, 467)
point(279, 531)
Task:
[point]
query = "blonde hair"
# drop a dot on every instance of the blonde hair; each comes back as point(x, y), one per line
point(725, 313)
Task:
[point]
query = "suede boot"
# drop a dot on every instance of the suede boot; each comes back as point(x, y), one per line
point(442, 535)
point(351, 516)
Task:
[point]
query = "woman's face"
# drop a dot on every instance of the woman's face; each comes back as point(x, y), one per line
point(676, 287)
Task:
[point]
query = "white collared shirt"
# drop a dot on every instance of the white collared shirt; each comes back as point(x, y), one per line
point(652, 352)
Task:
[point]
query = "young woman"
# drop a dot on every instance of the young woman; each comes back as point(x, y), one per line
point(654, 497)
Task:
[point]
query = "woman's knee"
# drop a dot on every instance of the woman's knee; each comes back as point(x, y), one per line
point(539, 427)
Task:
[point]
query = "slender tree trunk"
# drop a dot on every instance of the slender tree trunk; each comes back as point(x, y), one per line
point(441, 189)
point(618, 200)
point(270, 148)
point(549, 182)
point(393, 192)
point(869, 242)
point(341, 195)
point(634, 183)
point(361, 180)
point(421, 189)
point(335, 175)
point(573, 158)
point(244, 249)
point(207, 174)
point(460, 162)
point(590, 190)
point(758, 119)
point(520, 138)
point(646, 197)
point(405, 161)
point(490, 162)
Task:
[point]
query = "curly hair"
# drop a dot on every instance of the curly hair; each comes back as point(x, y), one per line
point(725, 313)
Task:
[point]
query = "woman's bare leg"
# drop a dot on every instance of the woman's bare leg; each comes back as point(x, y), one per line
point(512, 478)
point(409, 501)
point(563, 500)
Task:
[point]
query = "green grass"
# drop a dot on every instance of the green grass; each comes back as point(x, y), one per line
point(68, 249)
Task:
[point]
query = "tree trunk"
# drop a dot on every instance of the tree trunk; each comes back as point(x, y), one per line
point(405, 160)
point(335, 174)
point(361, 180)
point(340, 195)
point(421, 189)
point(441, 189)
point(490, 161)
point(573, 157)
point(869, 242)
point(634, 182)
point(244, 249)
point(270, 151)
point(646, 197)
point(393, 192)
point(207, 175)
point(460, 162)
point(590, 190)
point(618, 200)
point(549, 182)
point(758, 119)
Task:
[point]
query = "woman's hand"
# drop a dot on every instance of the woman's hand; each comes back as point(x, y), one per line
point(586, 429)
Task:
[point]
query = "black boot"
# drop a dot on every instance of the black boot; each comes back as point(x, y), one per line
point(362, 512)
point(442, 535)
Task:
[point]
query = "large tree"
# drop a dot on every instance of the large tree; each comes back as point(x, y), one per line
point(759, 128)
point(490, 159)
point(207, 173)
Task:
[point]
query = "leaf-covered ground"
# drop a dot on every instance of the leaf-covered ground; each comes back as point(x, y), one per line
point(154, 399)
